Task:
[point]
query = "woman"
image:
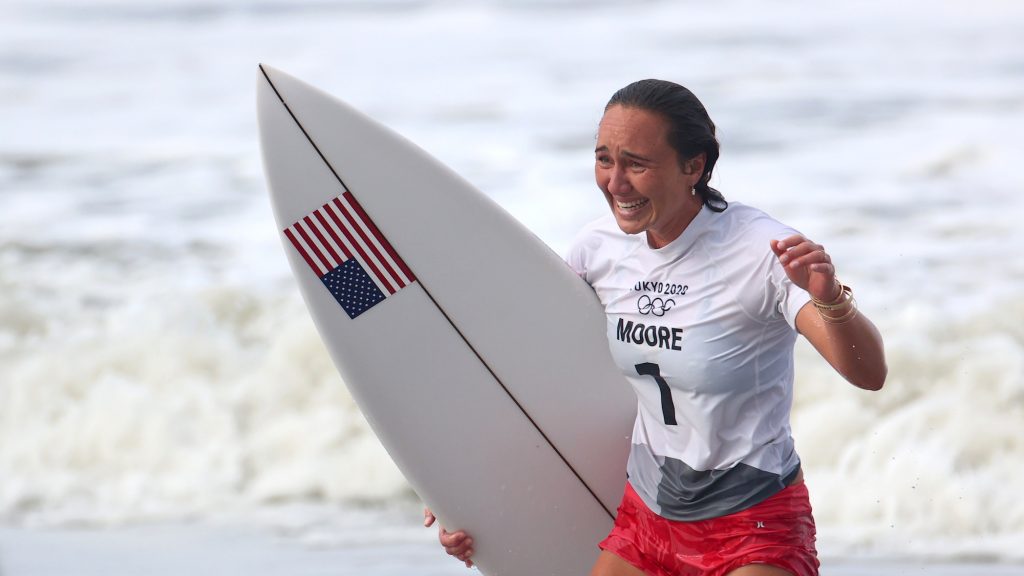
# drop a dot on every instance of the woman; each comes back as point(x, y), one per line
point(714, 483)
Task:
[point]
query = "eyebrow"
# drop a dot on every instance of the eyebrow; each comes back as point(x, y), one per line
point(625, 153)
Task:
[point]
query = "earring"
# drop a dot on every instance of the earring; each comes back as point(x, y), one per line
point(693, 191)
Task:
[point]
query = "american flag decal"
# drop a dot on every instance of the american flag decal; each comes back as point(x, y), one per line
point(349, 254)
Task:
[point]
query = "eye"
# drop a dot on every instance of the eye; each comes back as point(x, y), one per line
point(636, 166)
point(604, 161)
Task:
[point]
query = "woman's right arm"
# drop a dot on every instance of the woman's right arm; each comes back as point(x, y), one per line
point(457, 544)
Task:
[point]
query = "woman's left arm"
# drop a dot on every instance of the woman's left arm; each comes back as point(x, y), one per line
point(831, 321)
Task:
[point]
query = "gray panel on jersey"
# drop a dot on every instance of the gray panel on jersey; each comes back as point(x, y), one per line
point(687, 495)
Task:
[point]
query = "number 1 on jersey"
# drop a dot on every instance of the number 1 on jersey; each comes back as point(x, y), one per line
point(668, 407)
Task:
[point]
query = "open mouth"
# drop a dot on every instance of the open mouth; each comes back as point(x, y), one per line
point(628, 206)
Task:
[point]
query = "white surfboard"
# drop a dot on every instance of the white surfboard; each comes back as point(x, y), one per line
point(477, 356)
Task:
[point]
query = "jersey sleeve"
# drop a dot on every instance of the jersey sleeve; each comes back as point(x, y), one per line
point(584, 247)
point(788, 297)
point(576, 259)
point(773, 297)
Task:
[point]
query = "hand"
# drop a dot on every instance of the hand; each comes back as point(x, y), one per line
point(457, 544)
point(808, 266)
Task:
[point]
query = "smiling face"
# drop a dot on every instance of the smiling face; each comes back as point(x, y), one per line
point(641, 176)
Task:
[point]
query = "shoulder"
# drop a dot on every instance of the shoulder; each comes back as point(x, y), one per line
point(749, 226)
point(775, 296)
point(605, 225)
point(596, 234)
point(594, 241)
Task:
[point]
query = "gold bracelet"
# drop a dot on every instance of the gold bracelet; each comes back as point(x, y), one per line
point(844, 301)
point(849, 315)
point(839, 297)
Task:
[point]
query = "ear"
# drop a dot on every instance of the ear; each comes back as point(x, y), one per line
point(695, 165)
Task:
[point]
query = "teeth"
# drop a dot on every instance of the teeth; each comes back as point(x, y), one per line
point(631, 205)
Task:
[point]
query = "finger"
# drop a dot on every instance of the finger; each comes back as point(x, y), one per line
point(466, 555)
point(451, 539)
point(797, 251)
point(428, 517)
point(804, 254)
point(465, 548)
point(786, 243)
point(811, 258)
point(463, 551)
point(823, 267)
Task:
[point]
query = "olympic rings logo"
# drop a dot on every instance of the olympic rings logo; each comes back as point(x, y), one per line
point(655, 306)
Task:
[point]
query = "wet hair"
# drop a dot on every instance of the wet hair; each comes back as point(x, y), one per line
point(691, 130)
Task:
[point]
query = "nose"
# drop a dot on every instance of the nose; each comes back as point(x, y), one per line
point(618, 183)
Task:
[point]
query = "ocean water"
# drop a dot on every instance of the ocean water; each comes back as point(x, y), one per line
point(156, 361)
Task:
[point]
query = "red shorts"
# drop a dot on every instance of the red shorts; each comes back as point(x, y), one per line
point(779, 531)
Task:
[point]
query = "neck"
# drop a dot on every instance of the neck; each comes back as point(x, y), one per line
point(661, 238)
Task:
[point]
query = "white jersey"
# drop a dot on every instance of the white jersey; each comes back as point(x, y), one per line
point(703, 329)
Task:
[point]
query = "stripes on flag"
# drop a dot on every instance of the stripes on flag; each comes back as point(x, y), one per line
point(343, 246)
